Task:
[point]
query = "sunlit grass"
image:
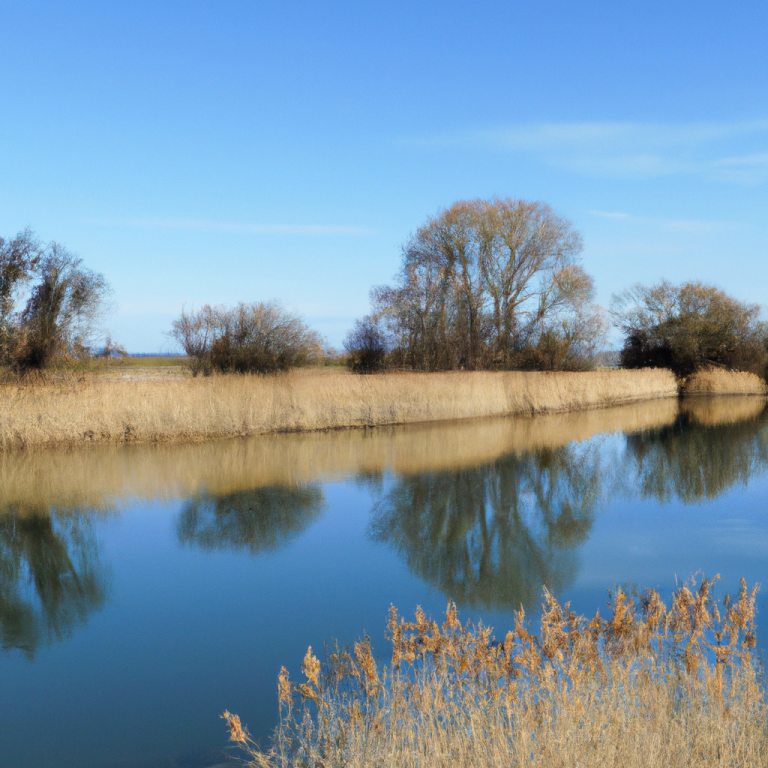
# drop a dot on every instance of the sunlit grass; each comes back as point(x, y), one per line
point(86, 408)
point(649, 686)
point(719, 382)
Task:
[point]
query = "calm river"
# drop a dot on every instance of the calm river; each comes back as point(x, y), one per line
point(144, 589)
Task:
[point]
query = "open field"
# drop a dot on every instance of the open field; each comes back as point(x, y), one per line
point(163, 361)
point(648, 687)
point(91, 409)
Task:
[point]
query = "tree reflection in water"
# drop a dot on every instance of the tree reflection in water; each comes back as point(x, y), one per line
point(490, 536)
point(258, 520)
point(693, 461)
point(51, 578)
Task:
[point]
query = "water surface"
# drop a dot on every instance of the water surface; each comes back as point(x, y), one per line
point(144, 589)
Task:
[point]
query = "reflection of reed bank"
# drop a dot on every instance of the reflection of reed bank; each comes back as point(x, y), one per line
point(101, 477)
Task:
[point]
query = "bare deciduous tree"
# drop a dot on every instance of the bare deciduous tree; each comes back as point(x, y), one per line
point(485, 282)
point(64, 303)
point(64, 308)
point(19, 258)
point(259, 337)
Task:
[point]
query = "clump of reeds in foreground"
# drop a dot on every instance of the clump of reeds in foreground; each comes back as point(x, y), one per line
point(649, 686)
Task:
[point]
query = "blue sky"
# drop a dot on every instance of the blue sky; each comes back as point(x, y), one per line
point(222, 151)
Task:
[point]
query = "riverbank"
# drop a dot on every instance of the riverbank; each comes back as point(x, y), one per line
point(93, 410)
point(77, 477)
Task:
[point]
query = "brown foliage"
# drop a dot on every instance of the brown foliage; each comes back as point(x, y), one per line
point(648, 686)
point(490, 284)
point(688, 328)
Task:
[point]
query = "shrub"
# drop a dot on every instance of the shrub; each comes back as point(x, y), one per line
point(688, 328)
point(366, 347)
point(247, 338)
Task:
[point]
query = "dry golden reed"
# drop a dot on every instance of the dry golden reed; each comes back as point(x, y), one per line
point(91, 410)
point(82, 477)
point(719, 382)
point(648, 687)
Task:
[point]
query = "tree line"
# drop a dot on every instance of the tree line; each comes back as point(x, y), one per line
point(483, 285)
point(498, 284)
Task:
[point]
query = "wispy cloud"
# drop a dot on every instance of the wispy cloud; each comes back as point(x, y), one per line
point(694, 227)
point(610, 214)
point(687, 226)
point(234, 227)
point(722, 151)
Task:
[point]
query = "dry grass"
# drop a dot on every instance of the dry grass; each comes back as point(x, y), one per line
point(719, 382)
point(648, 688)
point(89, 409)
point(95, 479)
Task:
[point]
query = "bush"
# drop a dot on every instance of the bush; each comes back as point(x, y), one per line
point(366, 347)
point(247, 338)
point(688, 328)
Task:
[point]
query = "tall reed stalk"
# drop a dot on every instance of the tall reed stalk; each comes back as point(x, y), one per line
point(649, 686)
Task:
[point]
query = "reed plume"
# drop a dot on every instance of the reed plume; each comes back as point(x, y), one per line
point(647, 686)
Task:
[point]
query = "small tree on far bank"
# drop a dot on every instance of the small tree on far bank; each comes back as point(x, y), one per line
point(689, 327)
point(261, 337)
point(62, 314)
point(64, 304)
point(366, 347)
point(19, 257)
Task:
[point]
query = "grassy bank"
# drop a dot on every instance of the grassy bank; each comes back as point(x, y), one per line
point(648, 687)
point(719, 382)
point(92, 410)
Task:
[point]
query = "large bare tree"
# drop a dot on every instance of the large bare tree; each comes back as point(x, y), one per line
point(50, 304)
point(64, 308)
point(19, 257)
point(485, 283)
